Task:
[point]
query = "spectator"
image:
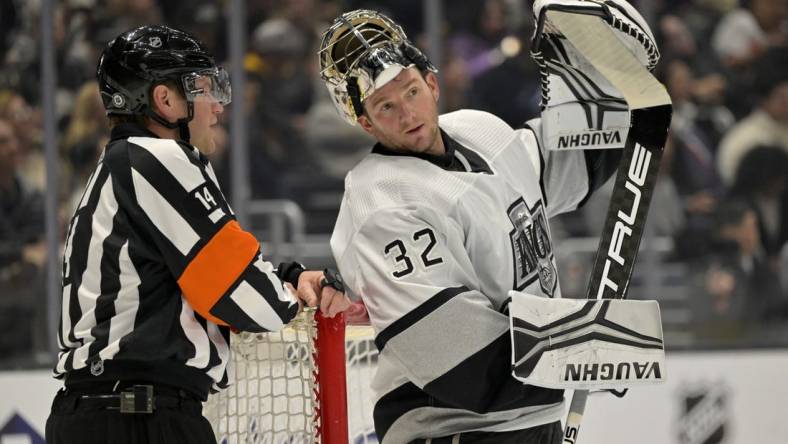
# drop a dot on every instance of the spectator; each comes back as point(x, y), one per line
point(768, 124)
point(679, 41)
point(22, 251)
point(503, 80)
point(693, 167)
point(762, 181)
point(27, 124)
point(284, 96)
point(744, 34)
point(478, 47)
point(335, 146)
point(84, 138)
point(740, 289)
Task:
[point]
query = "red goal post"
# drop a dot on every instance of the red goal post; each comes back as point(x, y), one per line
point(309, 383)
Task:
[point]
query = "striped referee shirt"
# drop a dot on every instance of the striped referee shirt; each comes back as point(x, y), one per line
point(157, 270)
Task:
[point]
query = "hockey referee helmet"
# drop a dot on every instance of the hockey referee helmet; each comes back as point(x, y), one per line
point(359, 53)
point(136, 61)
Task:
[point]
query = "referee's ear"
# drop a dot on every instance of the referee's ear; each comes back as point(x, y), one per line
point(168, 102)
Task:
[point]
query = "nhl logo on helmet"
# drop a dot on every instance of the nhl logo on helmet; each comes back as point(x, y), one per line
point(155, 42)
point(118, 101)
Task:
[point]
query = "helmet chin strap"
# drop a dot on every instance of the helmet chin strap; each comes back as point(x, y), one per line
point(181, 124)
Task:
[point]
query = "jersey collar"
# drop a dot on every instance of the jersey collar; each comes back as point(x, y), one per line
point(456, 157)
point(128, 129)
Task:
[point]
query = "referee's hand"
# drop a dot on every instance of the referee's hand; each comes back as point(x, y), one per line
point(313, 293)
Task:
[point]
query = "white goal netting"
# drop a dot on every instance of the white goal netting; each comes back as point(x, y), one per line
point(275, 396)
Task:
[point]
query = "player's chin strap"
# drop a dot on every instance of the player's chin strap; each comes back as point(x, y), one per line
point(181, 124)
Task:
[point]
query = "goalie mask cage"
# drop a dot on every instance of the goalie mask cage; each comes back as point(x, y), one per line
point(308, 383)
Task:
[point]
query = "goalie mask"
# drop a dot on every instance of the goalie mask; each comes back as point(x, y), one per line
point(361, 52)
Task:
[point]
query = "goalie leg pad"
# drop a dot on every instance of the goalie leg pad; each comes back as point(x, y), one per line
point(585, 344)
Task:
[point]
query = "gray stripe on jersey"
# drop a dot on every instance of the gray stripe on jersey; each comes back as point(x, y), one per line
point(165, 218)
point(126, 304)
point(169, 153)
point(442, 340)
point(435, 422)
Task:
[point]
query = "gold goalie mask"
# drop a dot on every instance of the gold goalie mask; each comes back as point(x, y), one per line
point(362, 51)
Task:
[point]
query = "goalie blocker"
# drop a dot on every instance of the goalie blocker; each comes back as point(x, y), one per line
point(585, 344)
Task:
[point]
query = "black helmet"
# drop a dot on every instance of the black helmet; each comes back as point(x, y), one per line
point(137, 60)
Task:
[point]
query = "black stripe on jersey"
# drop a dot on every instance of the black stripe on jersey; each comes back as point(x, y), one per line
point(225, 381)
point(495, 392)
point(213, 355)
point(69, 365)
point(201, 163)
point(163, 181)
point(110, 284)
point(118, 159)
point(227, 310)
point(494, 387)
point(79, 252)
point(396, 403)
point(416, 315)
point(477, 162)
point(541, 164)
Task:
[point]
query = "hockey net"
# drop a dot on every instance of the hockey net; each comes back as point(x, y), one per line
point(308, 383)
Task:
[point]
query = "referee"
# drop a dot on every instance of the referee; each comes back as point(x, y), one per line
point(156, 270)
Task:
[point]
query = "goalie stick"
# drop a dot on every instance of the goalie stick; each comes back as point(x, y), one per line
point(651, 111)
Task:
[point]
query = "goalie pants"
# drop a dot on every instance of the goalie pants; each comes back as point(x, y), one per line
point(91, 417)
point(543, 434)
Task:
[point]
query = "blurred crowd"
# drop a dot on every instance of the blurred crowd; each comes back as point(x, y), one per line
point(722, 196)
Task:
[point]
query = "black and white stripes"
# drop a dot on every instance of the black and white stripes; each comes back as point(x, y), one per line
point(155, 267)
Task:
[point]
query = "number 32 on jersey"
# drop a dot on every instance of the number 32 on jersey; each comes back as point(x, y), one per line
point(419, 251)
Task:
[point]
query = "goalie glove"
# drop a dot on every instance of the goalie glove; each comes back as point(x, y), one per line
point(581, 109)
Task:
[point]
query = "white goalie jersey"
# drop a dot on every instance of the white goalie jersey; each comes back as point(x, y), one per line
point(432, 246)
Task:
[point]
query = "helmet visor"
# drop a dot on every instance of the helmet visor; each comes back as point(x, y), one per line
point(211, 85)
